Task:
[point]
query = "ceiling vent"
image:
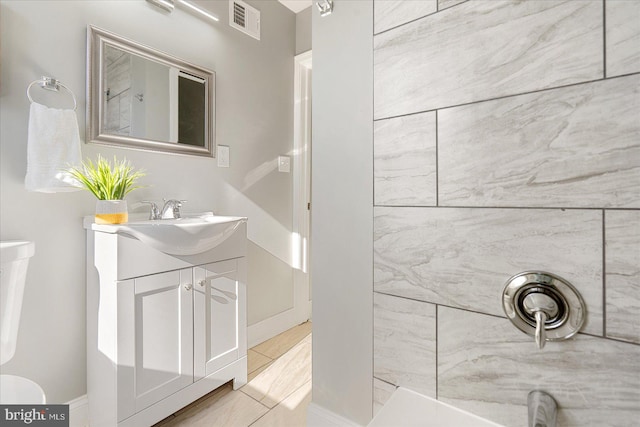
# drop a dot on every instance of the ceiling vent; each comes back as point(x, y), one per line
point(244, 18)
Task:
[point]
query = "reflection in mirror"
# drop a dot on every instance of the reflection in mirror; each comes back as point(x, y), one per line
point(141, 98)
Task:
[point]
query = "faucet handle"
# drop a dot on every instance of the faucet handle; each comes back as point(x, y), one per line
point(171, 208)
point(154, 213)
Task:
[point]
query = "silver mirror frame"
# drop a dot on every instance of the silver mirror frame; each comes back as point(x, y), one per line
point(96, 40)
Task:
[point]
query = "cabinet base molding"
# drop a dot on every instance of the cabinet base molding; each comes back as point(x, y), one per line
point(177, 401)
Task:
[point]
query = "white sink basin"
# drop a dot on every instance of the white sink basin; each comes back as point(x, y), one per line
point(189, 235)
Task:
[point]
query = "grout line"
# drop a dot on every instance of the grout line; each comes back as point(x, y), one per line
point(502, 317)
point(509, 96)
point(620, 340)
point(437, 170)
point(401, 25)
point(604, 274)
point(561, 208)
point(604, 39)
point(262, 354)
point(416, 19)
point(437, 351)
point(385, 381)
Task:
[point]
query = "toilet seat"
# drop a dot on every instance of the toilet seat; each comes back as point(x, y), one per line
point(19, 390)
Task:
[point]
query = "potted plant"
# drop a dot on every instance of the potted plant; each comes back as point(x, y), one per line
point(110, 183)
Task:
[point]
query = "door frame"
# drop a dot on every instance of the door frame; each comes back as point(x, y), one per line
point(301, 227)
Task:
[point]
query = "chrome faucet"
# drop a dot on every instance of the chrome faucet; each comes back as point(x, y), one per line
point(154, 213)
point(542, 409)
point(171, 209)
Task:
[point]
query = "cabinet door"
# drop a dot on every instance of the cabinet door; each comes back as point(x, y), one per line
point(216, 309)
point(163, 336)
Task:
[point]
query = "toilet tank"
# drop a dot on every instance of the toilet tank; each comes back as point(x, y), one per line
point(14, 260)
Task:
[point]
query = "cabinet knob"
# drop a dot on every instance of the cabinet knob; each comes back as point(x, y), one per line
point(188, 287)
point(201, 282)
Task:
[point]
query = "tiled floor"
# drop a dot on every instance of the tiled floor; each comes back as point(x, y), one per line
point(277, 394)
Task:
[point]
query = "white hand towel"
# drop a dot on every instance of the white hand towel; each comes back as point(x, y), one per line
point(53, 145)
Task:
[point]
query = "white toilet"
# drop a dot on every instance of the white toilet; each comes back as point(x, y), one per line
point(14, 260)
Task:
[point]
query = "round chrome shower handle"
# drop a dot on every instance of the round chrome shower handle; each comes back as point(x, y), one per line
point(543, 305)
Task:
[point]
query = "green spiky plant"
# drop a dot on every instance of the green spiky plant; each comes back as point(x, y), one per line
point(106, 180)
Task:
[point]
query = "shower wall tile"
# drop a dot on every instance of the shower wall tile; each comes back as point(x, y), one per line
point(125, 109)
point(119, 75)
point(623, 36)
point(405, 160)
point(462, 257)
point(382, 391)
point(445, 4)
point(622, 254)
point(487, 366)
point(485, 49)
point(404, 341)
point(112, 123)
point(570, 147)
point(391, 13)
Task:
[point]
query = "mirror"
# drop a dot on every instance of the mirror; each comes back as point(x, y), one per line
point(141, 98)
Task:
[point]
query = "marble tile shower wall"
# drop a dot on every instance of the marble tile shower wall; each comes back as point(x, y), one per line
point(507, 138)
point(118, 116)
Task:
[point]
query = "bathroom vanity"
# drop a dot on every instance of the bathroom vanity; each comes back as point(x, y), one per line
point(162, 329)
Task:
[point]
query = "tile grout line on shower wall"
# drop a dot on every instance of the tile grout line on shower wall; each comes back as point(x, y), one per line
point(513, 95)
point(497, 316)
point(604, 39)
point(604, 274)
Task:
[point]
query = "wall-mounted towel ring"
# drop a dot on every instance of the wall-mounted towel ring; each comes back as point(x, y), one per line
point(52, 84)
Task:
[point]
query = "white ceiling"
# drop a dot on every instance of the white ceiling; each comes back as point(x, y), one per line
point(296, 5)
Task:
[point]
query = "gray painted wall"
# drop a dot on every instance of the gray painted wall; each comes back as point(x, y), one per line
point(254, 117)
point(303, 30)
point(507, 139)
point(342, 210)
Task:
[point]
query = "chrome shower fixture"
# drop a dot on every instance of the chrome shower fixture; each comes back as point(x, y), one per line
point(163, 4)
point(325, 7)
point(543, 305)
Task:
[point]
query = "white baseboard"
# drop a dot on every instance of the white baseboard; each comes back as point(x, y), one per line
point(269, 328)
point(317, 416)
point(79, 412)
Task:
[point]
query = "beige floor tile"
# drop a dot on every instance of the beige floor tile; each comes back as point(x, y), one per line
point(284, 376)
point(257, 372)
point(256, 360)
point(280, 344)
point(234, 409)
point(166, 422)
point(291, 412)
point(209, 397)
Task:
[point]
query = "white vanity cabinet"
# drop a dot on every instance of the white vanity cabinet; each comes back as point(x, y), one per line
point(162, 330)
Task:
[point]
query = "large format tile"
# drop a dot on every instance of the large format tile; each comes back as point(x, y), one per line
point(382, 391)
point(404, 162)
point(231, 409)
point(568, 147)
point(284, 376)
point(256, 360)
point(445, 4)
point(292, 411)
point(391, 13)
point(623, 37)
point(280, 344)
point(486, 49)
point(404, 343)
point(487, 366)
point(462, 257)
point(622, 253)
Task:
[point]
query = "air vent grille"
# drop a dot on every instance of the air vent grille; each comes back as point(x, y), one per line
point(239, 14)
point(245, 18)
